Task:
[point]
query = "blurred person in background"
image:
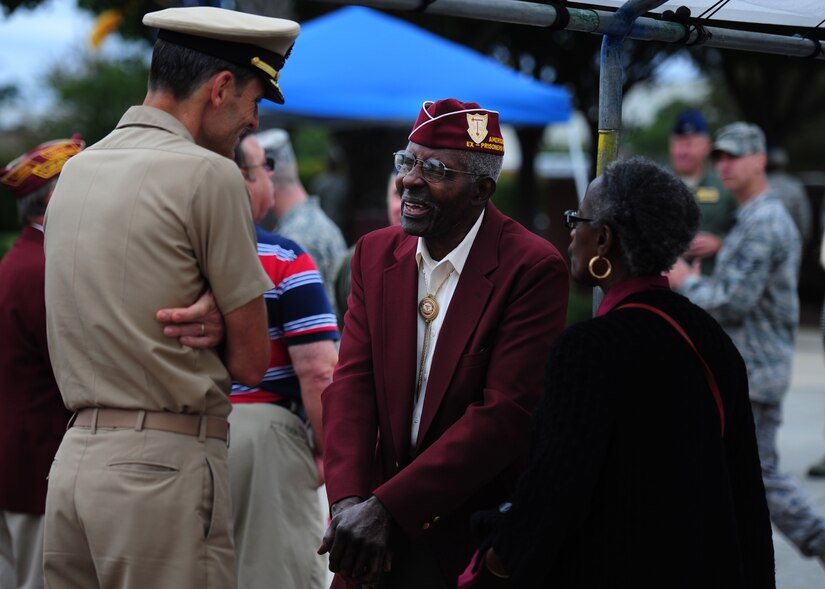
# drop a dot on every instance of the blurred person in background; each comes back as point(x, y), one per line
point(332, 186)
point(33, 417)
point(299, 215)
point(343, 276)
point(753, 294)
point(791, 191)
point(689, 148)
point(276, 425)
point(275, 464)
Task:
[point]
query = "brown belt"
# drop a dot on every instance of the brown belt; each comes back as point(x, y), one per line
point(202, 426)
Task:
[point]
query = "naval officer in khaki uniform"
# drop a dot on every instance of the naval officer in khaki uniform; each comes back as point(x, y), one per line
point(149, 218)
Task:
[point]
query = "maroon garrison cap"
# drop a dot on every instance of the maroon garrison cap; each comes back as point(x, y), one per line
point(452, 124)
point(35, 168)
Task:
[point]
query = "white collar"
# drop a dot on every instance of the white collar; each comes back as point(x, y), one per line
point(457, 257)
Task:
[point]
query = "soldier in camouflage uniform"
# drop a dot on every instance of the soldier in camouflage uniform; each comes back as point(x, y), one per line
point(300, 217)
point(753, 294)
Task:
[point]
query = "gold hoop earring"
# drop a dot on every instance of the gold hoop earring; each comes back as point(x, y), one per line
point(605, 274)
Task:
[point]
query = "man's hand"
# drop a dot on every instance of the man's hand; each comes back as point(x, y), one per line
point(357, 540)
point(703, 245)
point(682, 270)
point(199, 325)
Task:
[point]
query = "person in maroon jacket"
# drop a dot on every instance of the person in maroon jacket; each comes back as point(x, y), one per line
point(33, 417)
point(450, 318)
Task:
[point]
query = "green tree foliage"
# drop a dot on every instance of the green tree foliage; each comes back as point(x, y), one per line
point(783, 95)
point(8, 209)
point(8, 93)
point(133, 11)
point(92, 99)
point(132, 26)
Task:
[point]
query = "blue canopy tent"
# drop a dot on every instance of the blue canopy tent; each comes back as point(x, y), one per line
point(359, 64)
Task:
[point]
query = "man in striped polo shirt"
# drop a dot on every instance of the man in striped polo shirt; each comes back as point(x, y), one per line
point(276, 426)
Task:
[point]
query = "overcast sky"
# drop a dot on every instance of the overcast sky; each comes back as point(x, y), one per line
point(32, 42)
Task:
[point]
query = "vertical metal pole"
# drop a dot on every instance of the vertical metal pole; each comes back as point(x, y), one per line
point(611, 76)
point(610, 90)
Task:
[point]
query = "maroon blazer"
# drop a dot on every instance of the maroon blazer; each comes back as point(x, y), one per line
point(485, 381)
point(32, 417)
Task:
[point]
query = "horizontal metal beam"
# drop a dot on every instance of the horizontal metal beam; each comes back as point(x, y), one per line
point(599, 22)
point(510, 11)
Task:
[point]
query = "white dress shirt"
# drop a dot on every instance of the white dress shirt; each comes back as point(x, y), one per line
point(432, 274)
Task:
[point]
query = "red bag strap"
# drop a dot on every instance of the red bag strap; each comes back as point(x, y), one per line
point(714, 389)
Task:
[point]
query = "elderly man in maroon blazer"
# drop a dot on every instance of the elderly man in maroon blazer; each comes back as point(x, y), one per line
point(450, 319)
point(33, 418)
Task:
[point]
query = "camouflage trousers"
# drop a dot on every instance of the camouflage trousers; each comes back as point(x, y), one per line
point(792, 511)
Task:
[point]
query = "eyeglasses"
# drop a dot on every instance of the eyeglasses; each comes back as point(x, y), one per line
point(268, 164)
point(432, 170)
point(572, 219)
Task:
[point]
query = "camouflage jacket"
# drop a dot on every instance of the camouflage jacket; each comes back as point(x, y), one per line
point(308, 226)
point(752, 293)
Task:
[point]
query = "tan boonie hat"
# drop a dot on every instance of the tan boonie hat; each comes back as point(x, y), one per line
point(260, 43)
point(739, 139)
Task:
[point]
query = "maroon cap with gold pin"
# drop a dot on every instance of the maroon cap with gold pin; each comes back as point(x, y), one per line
point(452, 124)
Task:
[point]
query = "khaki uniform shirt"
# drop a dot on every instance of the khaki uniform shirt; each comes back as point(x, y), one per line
point(143, 220)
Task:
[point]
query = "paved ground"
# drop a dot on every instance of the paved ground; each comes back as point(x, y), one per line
point(801, 442)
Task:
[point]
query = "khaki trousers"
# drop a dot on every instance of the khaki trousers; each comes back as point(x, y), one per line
point(129, 508)
point(21, 550)
point(278, 519)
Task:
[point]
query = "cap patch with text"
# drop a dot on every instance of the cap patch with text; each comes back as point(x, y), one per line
point(452, 124)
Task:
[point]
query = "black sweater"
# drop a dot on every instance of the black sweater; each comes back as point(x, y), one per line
point(630, 483)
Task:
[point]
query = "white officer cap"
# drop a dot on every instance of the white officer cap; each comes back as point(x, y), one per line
point(259, 43)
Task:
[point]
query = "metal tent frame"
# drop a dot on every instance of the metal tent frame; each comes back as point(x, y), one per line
point(590, 20)
point(626, 22)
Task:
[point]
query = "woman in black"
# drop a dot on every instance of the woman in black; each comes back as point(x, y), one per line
point(640, 475)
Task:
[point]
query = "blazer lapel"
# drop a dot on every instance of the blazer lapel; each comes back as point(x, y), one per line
point(466, 308)
point(400, 291)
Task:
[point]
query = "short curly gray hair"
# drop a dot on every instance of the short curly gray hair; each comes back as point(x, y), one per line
point(482, 164)
point(653, 214)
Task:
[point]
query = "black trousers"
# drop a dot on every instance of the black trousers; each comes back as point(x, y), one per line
point(414, 567)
